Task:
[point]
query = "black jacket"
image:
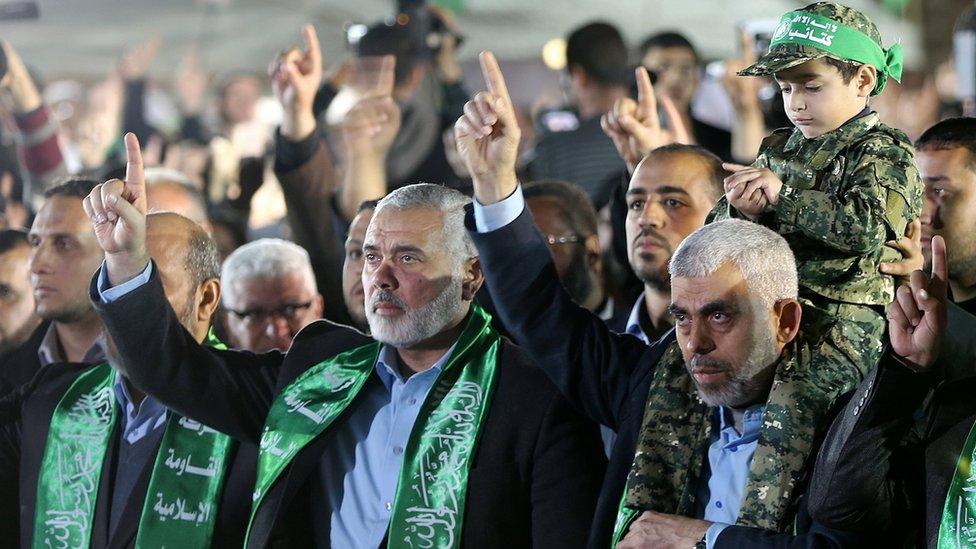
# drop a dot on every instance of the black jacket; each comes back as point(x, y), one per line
point(19, 365)
point(888, 467)
point(25, 418)
point(605, 375)
point(533, 480)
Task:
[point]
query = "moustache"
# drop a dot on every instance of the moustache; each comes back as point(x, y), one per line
point(386, 296)
point(652, 235)
point(699, 361)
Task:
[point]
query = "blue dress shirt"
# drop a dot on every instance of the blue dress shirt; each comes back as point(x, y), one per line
point(360, 469)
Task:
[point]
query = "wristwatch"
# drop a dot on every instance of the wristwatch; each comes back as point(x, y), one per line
point(702, 544)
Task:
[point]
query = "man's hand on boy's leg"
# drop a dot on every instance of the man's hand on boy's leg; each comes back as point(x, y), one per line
point(910, 248)
point(751, 190)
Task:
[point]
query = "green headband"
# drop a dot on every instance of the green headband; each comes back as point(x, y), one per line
point(841, 41)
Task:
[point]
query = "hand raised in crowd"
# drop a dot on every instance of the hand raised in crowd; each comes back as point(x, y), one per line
point(448, 69)
point(370, 127)
point(917, 316)
point(662, 531)
point(136, 61)
point(487, 136)
point(117, 210)
point(635, 127)
point(743, 91)
point(296, 76)
point(18, 82)
point(751, 190)
point(191, 83)
point(910, 247)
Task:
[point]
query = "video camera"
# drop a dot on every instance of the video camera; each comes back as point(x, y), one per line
point(420, 27)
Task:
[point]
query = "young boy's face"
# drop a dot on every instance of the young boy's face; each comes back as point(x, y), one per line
point(817, 100)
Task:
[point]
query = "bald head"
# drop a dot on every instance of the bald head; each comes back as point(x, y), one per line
point(171, 191)
point(189, 267)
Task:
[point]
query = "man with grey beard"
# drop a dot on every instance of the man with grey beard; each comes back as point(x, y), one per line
point(437, 429)
point(712, 449)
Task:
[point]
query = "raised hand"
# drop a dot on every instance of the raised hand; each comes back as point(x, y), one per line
point(487, 136)
point(742, 90)
point(296, 76)
point(18, 82)
point(917, 316)
point(750, 190)
point(191, 83)
point(117, 210)
point(370, 127)
point(635, 127)
point(136, 61)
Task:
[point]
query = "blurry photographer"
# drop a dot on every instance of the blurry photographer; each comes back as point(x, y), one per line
point(428, 89)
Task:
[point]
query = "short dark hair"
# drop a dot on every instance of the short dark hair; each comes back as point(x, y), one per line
point(951, 133)
point(577, 209)
point(711, 160)
point(396, 40)
point(75, 187)
point(11, 239)
point(847, 69)
point(599, 50)
point(368, 205)
point(667, 39)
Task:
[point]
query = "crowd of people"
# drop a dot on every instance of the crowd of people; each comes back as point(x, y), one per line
point(408, 314)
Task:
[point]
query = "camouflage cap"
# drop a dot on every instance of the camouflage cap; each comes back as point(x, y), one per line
point(785, 55)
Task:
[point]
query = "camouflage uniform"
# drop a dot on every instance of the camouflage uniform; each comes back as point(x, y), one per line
point(844, 195)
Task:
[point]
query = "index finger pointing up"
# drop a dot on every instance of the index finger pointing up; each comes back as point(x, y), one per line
point(493, 76)
point(312, 45)
point(135, 178)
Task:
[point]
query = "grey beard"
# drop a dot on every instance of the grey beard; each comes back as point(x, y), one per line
point(415, 325)
point(749, 383)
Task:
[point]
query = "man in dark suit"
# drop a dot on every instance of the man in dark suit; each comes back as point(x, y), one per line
point(718, 303)
point(438, 430)
point(127, 491)
point(886, 469)
point(63, 256)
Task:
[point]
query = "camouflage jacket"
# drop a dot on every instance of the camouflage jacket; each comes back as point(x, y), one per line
point(675, 437)
point(844, 195)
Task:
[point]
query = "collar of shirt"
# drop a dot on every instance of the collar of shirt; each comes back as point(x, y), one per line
point(138, 421)
point(389, 373)
point(606, 313)
point(822, 149)
point(752, 420)
point(633, 321)
point(49, 351)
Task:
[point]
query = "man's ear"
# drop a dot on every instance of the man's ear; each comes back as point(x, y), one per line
point(208, 298)
point(866, 78)
point(473, 279)
point(788, 314)
point(594, 254)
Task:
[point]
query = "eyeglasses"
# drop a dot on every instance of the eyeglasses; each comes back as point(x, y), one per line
point(289, 312)
point(565, 239)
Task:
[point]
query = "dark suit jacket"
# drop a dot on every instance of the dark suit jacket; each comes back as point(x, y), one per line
point(886, 468)
point(25, 418)
point(534, 476)
point(604, 374)
point(18, 366)
point(308, 182)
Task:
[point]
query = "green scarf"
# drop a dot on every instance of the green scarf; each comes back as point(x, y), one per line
point(675, 436)
point(958, 528)
point(186, 482)
point(840, 41)
point(429, 507)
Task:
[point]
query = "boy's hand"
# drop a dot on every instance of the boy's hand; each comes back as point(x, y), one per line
point(751, 190)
